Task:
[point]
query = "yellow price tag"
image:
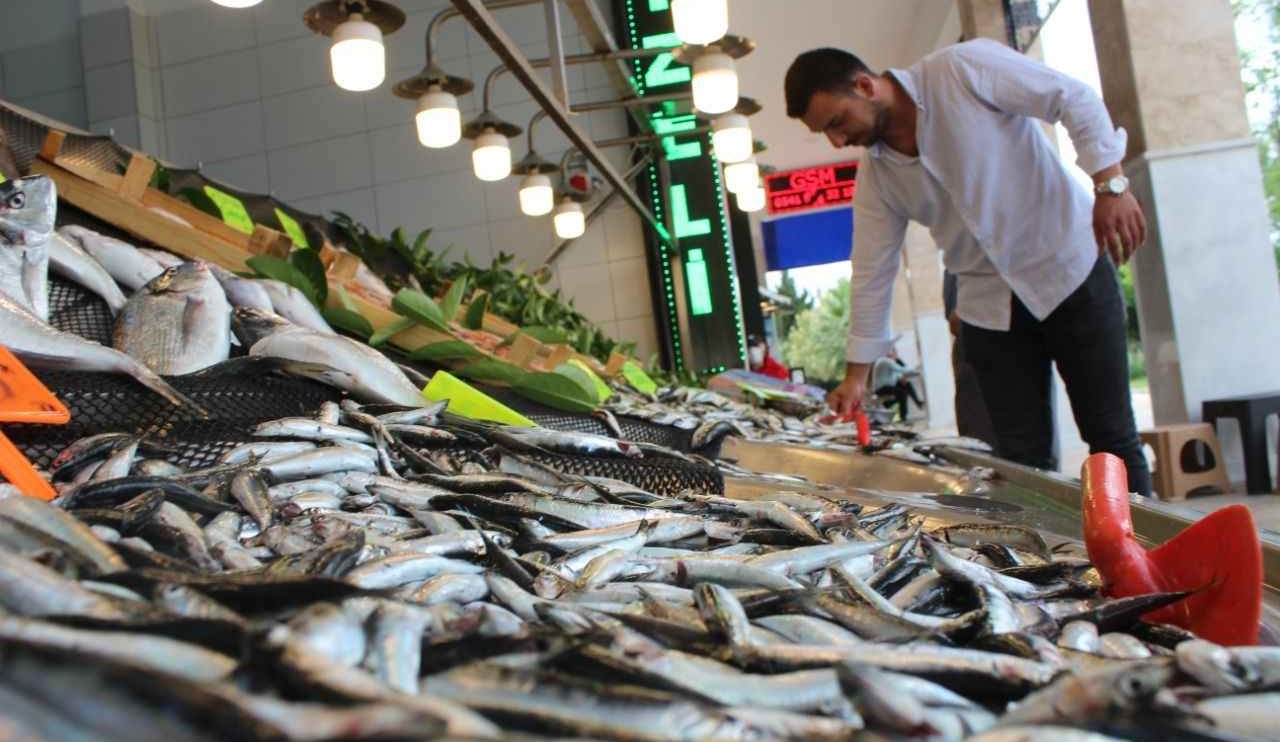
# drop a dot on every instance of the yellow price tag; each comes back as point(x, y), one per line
point(638, 379)
point(234, 214)
point(602, 389)
point(292, 228)
point(2, 178)
point(467, 401)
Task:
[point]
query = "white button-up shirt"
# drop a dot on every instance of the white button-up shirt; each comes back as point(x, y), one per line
point(997, 199)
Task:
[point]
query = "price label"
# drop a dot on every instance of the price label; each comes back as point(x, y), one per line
point(292, 228)
point(233, 212)
point(602, 389)
point(638, 379)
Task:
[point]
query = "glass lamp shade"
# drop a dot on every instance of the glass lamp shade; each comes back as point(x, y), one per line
point(536, 195)
point(438, 119)
point(700, 21)
point(491, 157)
point(731, 137)
point(715, 83)
point(569, 219)
point(358, 58)
point(751, 199)
point(742, 176)
point(237, 3)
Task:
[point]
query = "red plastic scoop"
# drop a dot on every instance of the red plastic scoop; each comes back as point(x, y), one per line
point(1218, 558)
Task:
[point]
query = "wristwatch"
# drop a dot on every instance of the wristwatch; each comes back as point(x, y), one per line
point(1112, 186)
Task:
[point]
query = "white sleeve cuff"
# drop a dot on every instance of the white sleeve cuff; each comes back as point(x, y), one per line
point(867, 350)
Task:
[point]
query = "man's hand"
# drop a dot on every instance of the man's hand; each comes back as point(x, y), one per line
point(1119, 226)
point(847, 397)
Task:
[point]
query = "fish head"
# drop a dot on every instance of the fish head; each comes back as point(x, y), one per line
point(1138, 684)
point(27, 207)
point(251, 325)
point(185, 278)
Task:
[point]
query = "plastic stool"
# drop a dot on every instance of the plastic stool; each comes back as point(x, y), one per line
point(1251, 410)
point(1171, 479)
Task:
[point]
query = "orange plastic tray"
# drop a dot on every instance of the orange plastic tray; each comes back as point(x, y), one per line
point(23, 399)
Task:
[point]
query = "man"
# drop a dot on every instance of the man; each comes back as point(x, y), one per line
point(761, 361)
point(953, 142)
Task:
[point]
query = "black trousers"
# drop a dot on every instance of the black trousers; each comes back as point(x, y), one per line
point(1085, 337)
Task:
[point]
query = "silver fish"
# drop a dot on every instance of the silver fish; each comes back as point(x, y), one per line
point(24, 275)
point(242, 292)
point(129, 267)
point(27, 208)
point(294, 305)
point(178, 323)
point(70, 261)
point(338, 361)
point(41, 346)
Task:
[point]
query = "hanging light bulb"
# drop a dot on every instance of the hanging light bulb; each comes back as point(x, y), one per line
point(536, 195)
point(491, 157)
point(742, 176)
point(237, 3)
point(358, 58)
point(569, 219)
point(751, 199)
point(438, 119)
point(700, 21)
point(731, 137)
point(715, 82)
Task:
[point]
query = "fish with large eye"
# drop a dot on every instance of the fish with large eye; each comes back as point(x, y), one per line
point(27, 208)
point(26, 221)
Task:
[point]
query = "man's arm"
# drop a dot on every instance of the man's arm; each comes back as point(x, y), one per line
point(877, 237)
point(1012, 83)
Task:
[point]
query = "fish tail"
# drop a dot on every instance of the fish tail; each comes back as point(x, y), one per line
point(152, 381)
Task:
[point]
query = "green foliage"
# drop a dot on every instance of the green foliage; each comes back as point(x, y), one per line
point(381, 337)
point(1125, 273)
point(453, 299)
point(446, 350)
point(557, 390)
point(420, 308)
point(800, 301)
point(514, 295)
point(492, 370)
point(474, 319)
point(817, 342)
point(284, 270)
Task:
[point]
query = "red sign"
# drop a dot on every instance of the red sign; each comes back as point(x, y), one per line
point(811, 187)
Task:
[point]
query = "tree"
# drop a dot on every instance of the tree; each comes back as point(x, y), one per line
point(1260, 71)
point(816, 341)
point(800, 301)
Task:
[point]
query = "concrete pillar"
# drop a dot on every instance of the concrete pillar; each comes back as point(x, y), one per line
point(983, 19)
point(1207, 292)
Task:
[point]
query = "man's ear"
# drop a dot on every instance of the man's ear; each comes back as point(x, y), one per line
point(863, 84)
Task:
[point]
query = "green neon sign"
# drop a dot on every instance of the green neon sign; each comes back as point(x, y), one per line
point(233, 212)
point(292, 228)
point(664, 69)
point(657, 6)
point(686, 227)
point(695, 275)
point(673, 125)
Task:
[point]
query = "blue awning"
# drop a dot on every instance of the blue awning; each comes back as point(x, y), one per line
point(814, 238)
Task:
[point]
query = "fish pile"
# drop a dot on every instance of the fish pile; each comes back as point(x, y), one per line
point(352, 576)
point(176, 317)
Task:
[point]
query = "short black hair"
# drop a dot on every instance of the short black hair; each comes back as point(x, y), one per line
point(817, 70)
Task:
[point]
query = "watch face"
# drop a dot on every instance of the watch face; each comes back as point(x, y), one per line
point(1117, 184)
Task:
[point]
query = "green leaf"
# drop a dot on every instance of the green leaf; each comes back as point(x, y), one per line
point(349, 321)
point(489, 369)
point(453, 299)
point(421, 308)
point(581, 378)
point(556, 390)
point(307, 262)
point(544, 334)
point(446, 350)
point(474, 319)
point(380, 337)
point(283, 270)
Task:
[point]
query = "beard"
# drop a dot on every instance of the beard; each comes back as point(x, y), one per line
point(879, 123)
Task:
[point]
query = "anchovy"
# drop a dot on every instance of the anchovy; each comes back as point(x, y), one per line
point(249, 489)
point(308, 429)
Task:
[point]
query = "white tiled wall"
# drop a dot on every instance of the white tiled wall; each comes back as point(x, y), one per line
point(247, 96)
